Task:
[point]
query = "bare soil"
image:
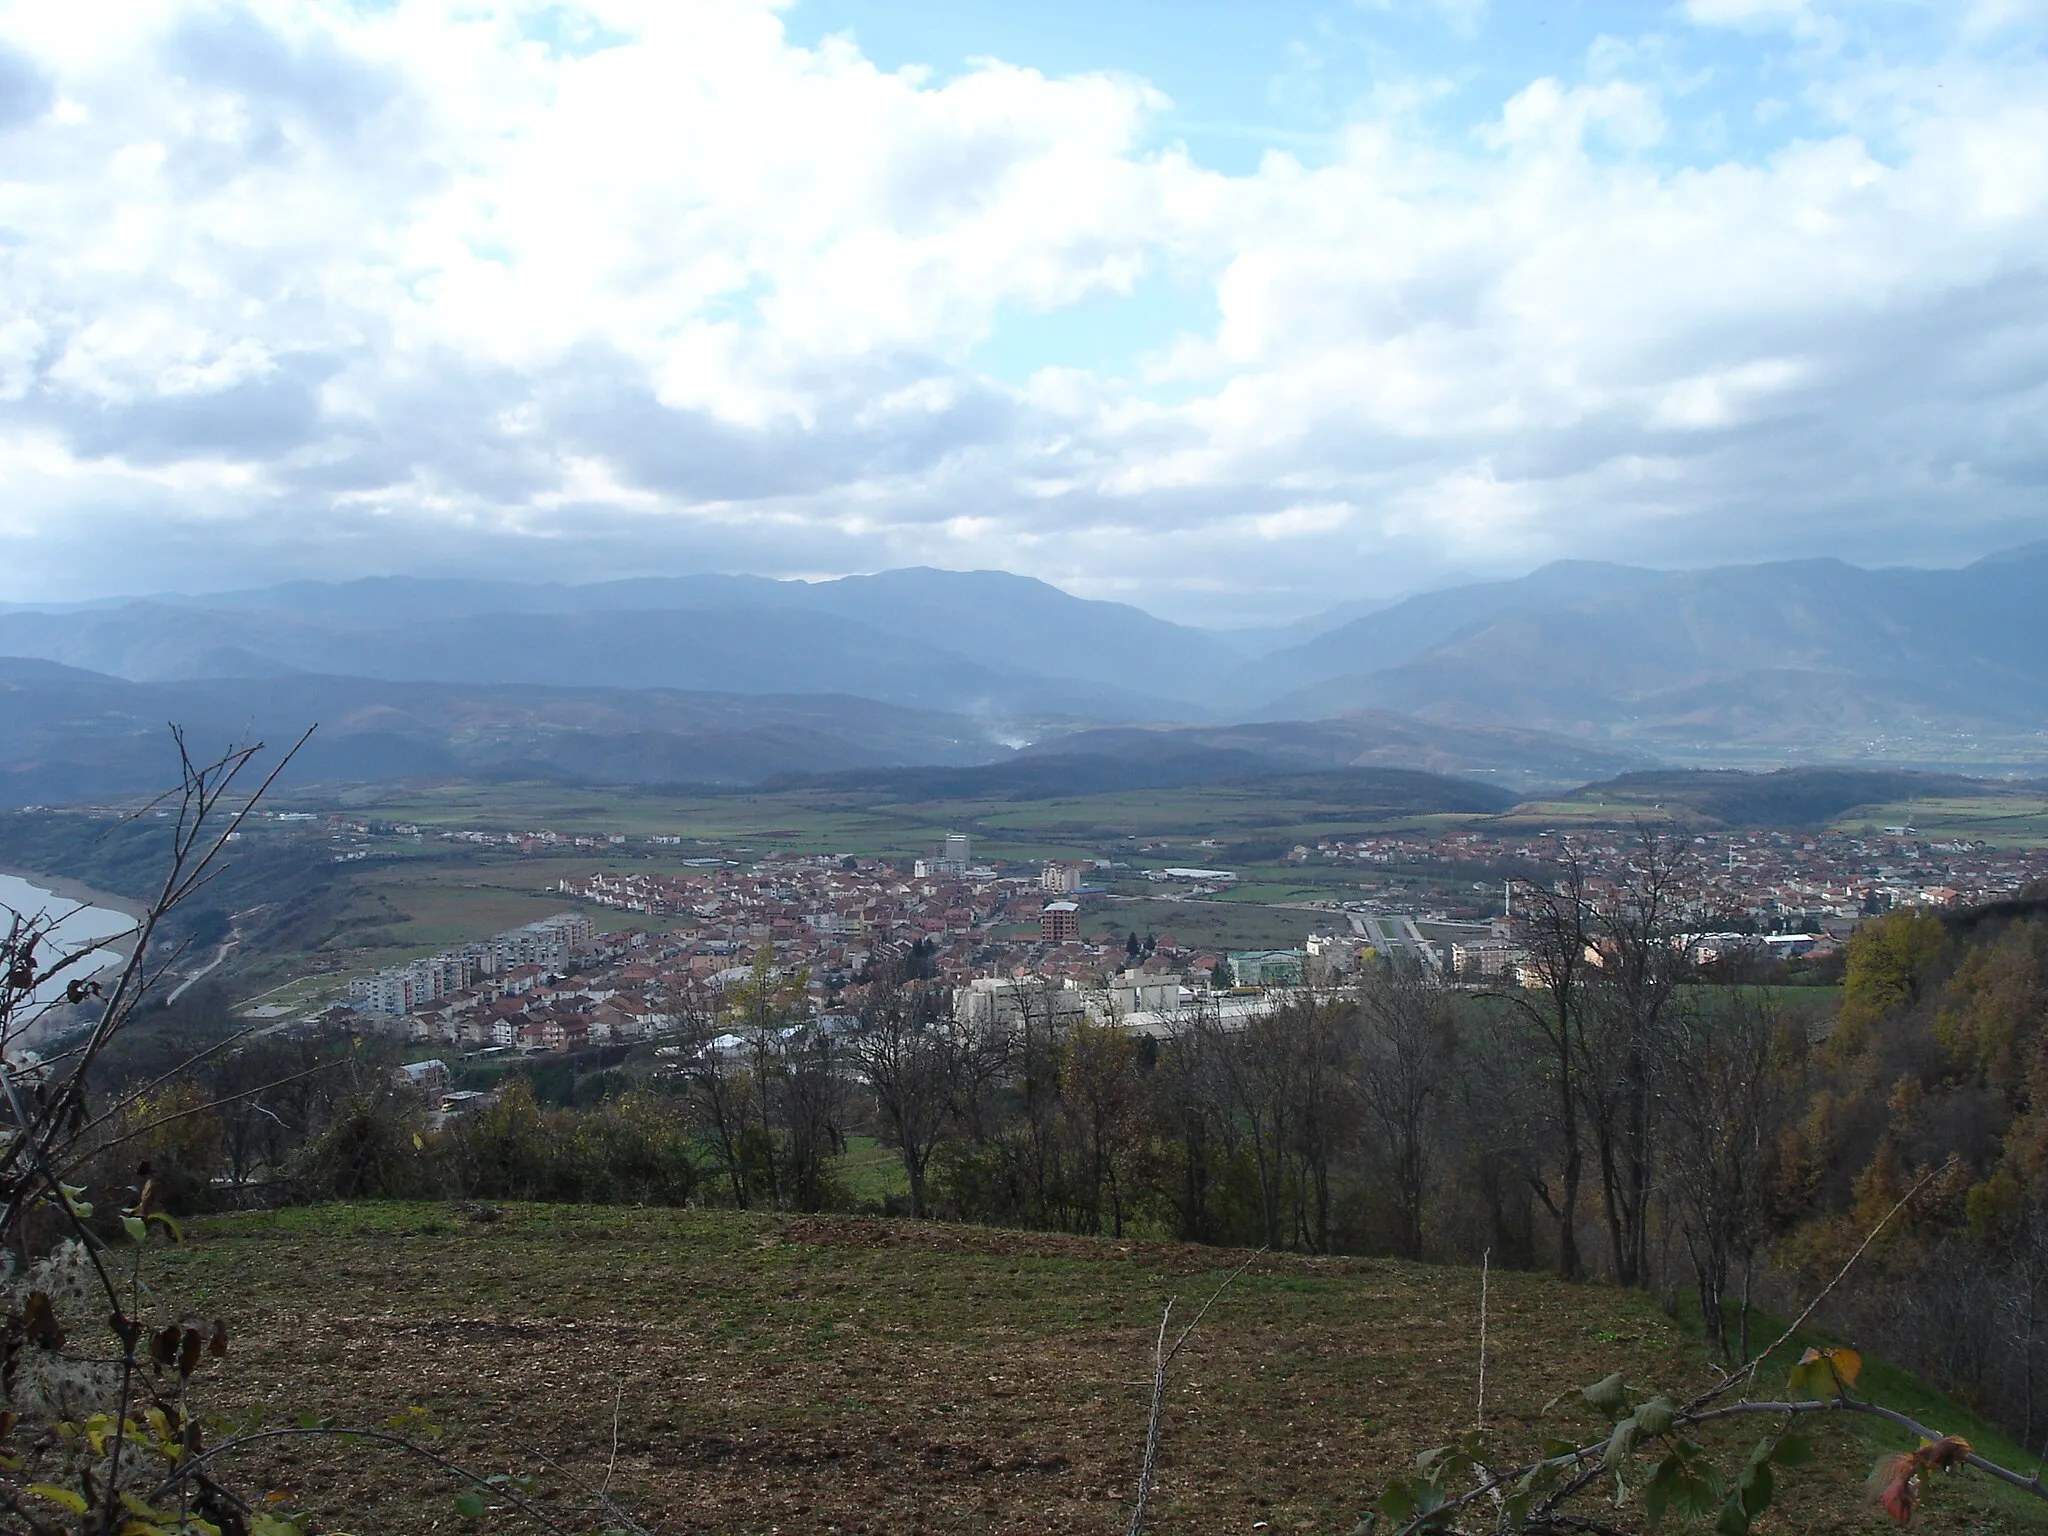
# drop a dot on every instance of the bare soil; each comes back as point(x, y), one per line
point(827, 1374)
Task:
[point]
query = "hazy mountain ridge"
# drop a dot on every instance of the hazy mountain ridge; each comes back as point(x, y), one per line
point(1598, 667)
point(75, 735)
point(763, 649)
point(1801, 658)
point(980, 641)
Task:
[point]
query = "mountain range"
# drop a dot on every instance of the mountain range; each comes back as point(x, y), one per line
point(1809, 659)
point(1578, 670)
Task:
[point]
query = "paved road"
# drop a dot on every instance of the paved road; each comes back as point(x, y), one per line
point(1391, 934)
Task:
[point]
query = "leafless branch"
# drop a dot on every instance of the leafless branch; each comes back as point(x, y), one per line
point(1162, 1359)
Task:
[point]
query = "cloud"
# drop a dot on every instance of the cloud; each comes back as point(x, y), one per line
point(299, 289)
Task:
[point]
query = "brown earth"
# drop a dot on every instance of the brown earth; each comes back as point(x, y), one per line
point(823, 1374)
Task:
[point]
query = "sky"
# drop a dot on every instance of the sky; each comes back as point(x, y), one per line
point(1234, 311)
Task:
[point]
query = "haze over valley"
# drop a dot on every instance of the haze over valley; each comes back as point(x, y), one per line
point(1571, 673)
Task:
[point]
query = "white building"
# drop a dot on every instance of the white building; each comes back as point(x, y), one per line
point(1010, 1000)
point(1063, 877)
point(1485, 958)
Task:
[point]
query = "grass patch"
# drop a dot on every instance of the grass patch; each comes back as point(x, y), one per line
point(871, 1173)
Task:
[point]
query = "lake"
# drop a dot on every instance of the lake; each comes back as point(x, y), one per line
point(75, 927)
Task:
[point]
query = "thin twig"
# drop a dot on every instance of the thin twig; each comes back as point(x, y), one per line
point(1162, 1358)
point(618, 1395)
point(1748, 1372)
point(1137, 1524)
point(1485, 1268)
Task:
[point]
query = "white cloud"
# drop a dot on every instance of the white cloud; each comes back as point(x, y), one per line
point(1800, 17)
point(303, 288)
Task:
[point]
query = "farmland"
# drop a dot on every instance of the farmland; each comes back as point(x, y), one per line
point(845, 1374)
point(880, 823)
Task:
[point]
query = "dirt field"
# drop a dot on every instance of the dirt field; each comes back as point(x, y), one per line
point(784, 1374)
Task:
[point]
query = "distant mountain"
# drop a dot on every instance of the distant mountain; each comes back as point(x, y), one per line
point(1418, 625)
point(1265, 639)
point(984, 642)
point(1798, 661)
point(68, 736)
point(766, 648)
point(1807, 659)
point(1521, 760)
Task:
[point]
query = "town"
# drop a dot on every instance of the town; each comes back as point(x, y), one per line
point(1091, 933)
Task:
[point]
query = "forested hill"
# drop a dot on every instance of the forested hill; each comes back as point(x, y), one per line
point(1937, 1065)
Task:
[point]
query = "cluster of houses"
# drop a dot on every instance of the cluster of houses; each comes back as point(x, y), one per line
point(551, 985)
point(1788, 880)
point(562, 984)
point(1004, 939)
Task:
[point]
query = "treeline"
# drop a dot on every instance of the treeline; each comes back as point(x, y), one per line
point(280, 1120)
point(1936, 1077)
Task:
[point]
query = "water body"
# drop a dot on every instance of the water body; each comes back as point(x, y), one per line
point(75, 925)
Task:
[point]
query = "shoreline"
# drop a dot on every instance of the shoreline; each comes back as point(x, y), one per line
point(80, 894)
point(120, 947)
point(54, 1016)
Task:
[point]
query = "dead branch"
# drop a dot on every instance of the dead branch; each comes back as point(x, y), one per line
point(1162, 1359)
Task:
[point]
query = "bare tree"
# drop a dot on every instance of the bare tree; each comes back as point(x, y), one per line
point(1322, 1029)
point(720, 1087)
point(1553, 929)
point(1737, 1069)
point(906, 1054)
point(1407, 1054)
point(1103, 1097)
point(50, 1130)
point(811, 1096)
point(1192, 1094)
point(1257, 1070)
point(929, 1073)
point(1636, 935)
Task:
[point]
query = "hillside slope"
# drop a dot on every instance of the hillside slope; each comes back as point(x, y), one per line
point(820, 1374)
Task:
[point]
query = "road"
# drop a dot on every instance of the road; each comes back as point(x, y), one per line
point(1391, 933)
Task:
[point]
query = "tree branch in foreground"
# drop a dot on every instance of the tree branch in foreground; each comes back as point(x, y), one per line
point(1162, 1359)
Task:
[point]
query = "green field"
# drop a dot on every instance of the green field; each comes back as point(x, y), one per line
point(870, 1173)
point(1605, 810)
point(822, 1374)
point(869, 823)
point(2015, 820)
point(1208, 924)
point(393, 910)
